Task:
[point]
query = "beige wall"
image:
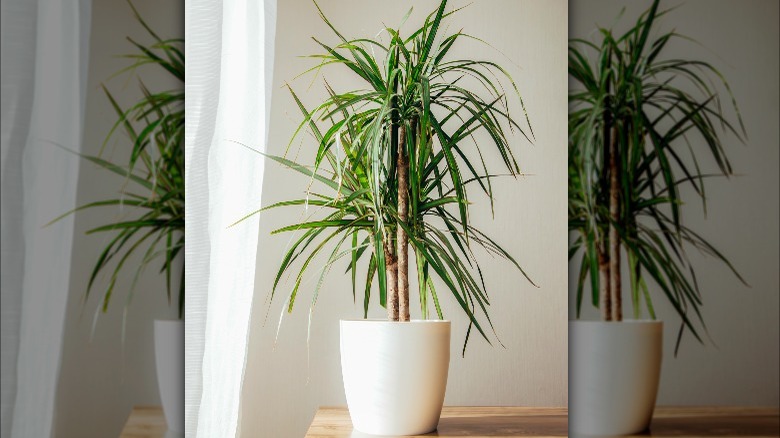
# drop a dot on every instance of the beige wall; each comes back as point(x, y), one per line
point(740, 367)
point(98, 385)
point(280, 392)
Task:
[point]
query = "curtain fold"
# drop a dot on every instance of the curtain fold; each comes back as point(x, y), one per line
point(230, 49)
point(44, 91)
point(18, 60)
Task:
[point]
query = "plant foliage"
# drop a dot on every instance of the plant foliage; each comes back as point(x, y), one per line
point(152, 197)
point(665, 115)
point(408, 82)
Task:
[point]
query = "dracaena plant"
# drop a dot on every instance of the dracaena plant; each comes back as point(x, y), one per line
point(399, 160)
point(639, 125)
point(151, 198)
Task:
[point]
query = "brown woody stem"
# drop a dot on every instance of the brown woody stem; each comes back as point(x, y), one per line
point(391, 268)
point(403, 217)
point(614, 239)
point(604, 296)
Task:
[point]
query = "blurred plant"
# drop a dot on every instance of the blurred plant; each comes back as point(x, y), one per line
point(631, 120)
point(397, 160)
point(153, 187)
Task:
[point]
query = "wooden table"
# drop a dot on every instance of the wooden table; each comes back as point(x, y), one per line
point(334, 422)
point(145, 422)
point(458, 422)
point(714, 421)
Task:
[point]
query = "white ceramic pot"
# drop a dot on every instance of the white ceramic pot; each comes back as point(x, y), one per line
point(614, 369)
point(395, 374)
point(169, 355)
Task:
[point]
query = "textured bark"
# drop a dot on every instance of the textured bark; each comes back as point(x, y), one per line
point(605, 300)
point(602, 246)
point(391, 262)
point(391, 268)
point(614, 239)
point(402, 238)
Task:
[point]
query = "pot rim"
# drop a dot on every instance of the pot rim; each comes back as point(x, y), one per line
point(168, 321)
point(413, 321)
point(625, 321)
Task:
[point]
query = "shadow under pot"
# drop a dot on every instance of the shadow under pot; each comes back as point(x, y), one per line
point(614, 370)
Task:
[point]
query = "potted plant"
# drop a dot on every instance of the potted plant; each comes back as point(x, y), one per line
point(151, 202)
point(632, 113)
point(395, 160)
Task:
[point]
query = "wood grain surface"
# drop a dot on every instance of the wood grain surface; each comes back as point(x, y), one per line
point(690, 422)
point(145, 422)
point(714, 422)
point(334, 422)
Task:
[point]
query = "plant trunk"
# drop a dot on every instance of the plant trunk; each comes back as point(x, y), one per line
point(614, 240)
point(602, 245)
point(402, 238)
point(605, 300)
point(391, 268)
point(391, 261)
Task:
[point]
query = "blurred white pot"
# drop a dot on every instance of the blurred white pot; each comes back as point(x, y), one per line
point(614, 369)
point(169, 355)
point(395, 374)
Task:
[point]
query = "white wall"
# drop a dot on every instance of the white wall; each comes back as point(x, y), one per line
point(530, 221)
point(741, 366)
point(98, 385)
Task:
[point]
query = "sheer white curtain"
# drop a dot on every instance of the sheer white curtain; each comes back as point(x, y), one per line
point(44, 72)
point(229, 46)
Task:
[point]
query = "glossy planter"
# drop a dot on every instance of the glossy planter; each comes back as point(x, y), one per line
point(169, 356)
point(395, 374)
point(614, 370)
